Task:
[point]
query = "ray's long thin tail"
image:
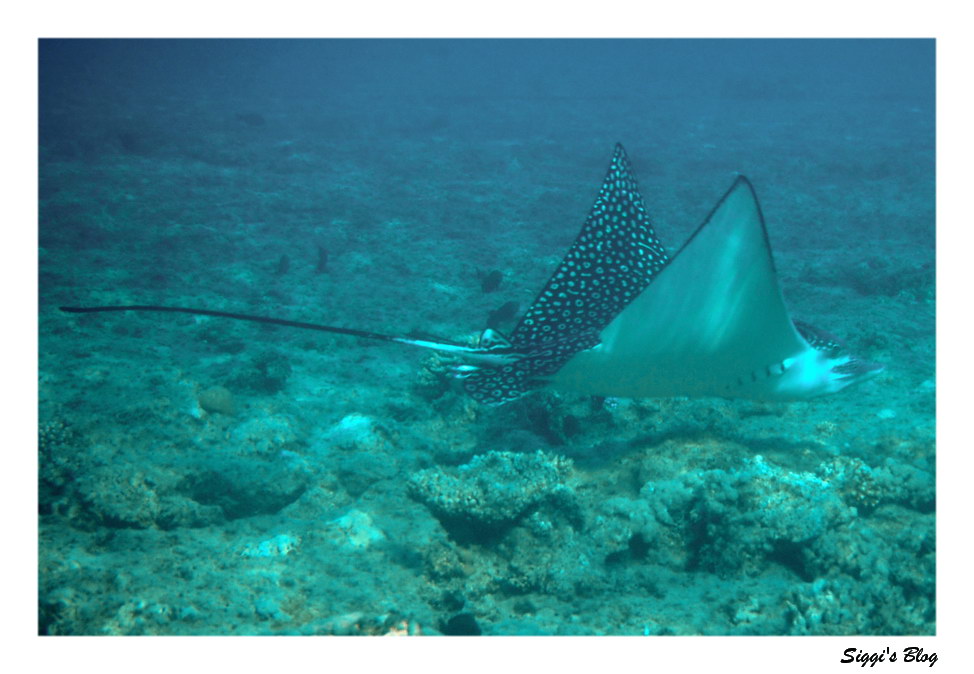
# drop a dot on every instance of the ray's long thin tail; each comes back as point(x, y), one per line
point(435, 344)
point(240, 317)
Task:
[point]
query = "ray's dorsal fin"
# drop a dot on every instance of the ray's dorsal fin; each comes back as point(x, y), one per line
point(614, 257)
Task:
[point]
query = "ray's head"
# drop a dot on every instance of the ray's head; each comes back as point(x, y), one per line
point(827, 366)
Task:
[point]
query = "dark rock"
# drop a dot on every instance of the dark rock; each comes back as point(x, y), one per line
point(462, 624)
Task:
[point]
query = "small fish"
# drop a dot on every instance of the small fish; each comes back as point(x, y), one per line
point(322, 260)
point(489, 282)
point(283, 265)
point(251, 118)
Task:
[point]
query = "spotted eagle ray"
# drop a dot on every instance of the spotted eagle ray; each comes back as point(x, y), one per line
point(619, 317)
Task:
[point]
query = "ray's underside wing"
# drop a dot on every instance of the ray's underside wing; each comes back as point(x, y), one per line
point(711, 323)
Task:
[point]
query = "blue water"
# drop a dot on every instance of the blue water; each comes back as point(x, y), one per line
point(205, 476)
